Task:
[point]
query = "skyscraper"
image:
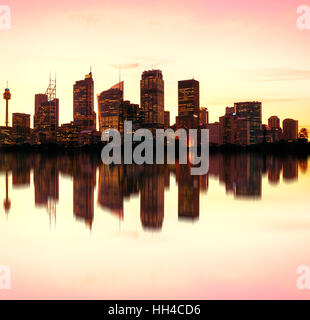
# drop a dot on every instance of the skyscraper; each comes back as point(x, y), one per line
point(83, 103)
point(46, 114)
point(21, 126)
point(152, 99)
point(290, 129)
point(188, 104)
point(253, 112)
point(274, 122)
point(204, 117)
point(167, 119)
point(274, 129)
point(109, 102)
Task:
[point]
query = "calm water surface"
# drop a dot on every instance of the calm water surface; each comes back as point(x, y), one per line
point(71, 227)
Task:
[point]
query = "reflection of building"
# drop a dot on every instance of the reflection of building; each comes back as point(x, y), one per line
point(152, 198)
point(290, 169)
point(83, 103)
point(110, 192)
point(274, 167)
point(253, 112)
point(152, 99)
point(84, 182)
point(188, 193)
point(290, 129)
point(46, 183)
point(21, 171)
point(188, 104)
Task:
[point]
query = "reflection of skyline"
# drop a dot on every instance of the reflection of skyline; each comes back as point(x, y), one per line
point(240, 173)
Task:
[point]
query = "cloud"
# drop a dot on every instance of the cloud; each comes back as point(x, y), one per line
point(126, 66)
point(282, 74)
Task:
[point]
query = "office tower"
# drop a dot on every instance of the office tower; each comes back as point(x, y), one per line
point(152, 99)
point(83, 103)
point(129, 112)
point(274, 122)
point(21, 126)
point(7, 97)
point(274, 130)
point(167, 119)
point(188, 104)
point(290, 129)
point(46, 116)
point(21, 120)
point(204, 117)
point(234, 130)
point(109, 102)
point(253, 112)
point(214, 133)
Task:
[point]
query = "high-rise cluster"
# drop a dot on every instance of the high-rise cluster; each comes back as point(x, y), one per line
point(241, 124)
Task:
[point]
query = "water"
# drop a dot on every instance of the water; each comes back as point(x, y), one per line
point(71, 227)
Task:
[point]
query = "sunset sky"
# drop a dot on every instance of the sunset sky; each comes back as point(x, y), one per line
point(238, 50)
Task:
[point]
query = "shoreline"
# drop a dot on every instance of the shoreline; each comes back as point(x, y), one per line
point(299, 148)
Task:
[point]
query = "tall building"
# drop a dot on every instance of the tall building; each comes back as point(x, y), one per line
point(274, 122)
point(290, 129)
point(46, 117)
point(234, 130)
point(253, 112)
point(109, 102)
point(188, 104)
point(46, 114)
point(204, 117)
point(83, 103)
point(274, 129)
point(167, 120)
point(214, 133)
point(152, 99)
point(21, 126)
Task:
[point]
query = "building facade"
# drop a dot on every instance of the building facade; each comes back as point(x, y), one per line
point(84, 115)
point(188, 104)
point(253, 112)
point(152, 99)
point(109, 103)
point(290, 129)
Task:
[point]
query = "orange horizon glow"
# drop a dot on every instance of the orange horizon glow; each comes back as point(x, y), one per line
point(238, 51)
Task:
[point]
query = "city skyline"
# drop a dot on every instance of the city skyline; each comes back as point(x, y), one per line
point(193, 106)
point(232, 66)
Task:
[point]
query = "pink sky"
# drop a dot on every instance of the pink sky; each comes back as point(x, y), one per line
point(238, 50)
